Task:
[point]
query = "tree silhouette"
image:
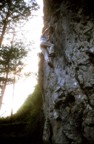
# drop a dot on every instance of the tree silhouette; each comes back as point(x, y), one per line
point(11, 11)
point(11, 65)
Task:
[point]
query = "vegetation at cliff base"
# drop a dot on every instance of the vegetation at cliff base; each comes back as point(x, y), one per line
point(26, 125)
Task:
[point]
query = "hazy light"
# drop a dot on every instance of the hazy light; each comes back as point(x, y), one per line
point(32, 31)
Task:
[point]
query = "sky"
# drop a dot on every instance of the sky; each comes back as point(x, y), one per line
point(32, 32)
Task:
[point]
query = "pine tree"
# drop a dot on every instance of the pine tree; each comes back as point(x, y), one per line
point(11, 11)
point(11, 65)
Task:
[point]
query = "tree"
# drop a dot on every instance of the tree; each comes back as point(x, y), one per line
point(11, 11)
point(11, 65)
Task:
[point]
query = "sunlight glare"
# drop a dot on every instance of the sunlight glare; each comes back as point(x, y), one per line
point(32, 31)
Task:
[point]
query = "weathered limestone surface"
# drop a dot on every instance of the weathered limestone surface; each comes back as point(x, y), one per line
point(68, 88)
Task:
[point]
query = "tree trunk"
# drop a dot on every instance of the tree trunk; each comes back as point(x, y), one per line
point(13, 96)
point(4, 88)
point(5, 23)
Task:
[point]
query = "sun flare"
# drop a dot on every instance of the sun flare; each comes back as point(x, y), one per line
point(23, 88)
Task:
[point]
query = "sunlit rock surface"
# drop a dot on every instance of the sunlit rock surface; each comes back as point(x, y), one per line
point(68, 87)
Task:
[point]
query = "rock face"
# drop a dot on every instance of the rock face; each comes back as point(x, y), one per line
point(68, 86)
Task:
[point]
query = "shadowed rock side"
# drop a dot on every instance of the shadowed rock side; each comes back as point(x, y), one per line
point(68, 86)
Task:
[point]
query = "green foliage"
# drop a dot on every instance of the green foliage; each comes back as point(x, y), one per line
point(17, 9)
point(27, 123)
point(11, 65)
point(11, 58)
point(13, 12)
point(31, 105)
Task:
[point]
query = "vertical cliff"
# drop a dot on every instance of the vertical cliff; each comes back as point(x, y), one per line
point(68, 86)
